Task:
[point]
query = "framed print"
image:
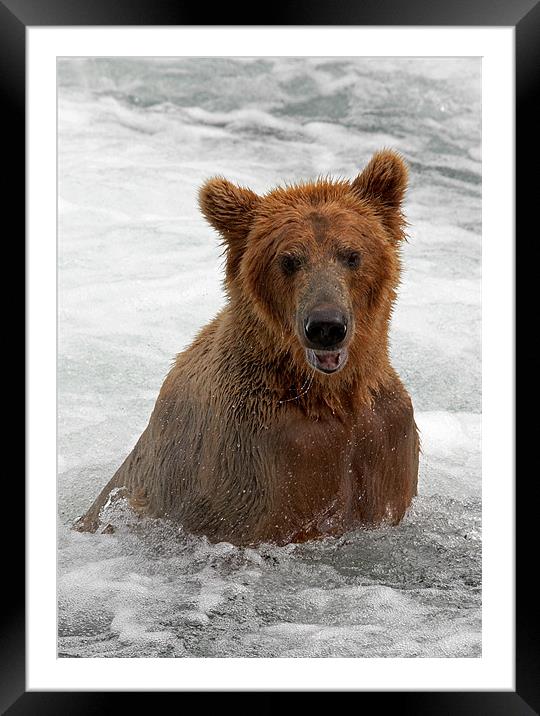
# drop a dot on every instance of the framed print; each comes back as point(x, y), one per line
point(128, 112)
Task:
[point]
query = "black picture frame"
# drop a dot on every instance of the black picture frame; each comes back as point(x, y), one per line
point(524, 17)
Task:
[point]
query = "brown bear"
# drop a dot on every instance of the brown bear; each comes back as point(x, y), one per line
point(284, 420)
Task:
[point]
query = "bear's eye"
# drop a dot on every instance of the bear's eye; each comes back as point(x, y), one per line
point(351, 259)
point(290, 264)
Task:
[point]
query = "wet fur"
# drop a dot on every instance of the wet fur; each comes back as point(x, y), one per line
point(246, 442)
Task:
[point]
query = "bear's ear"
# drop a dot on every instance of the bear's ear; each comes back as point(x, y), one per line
point(227, 207)
point(383, 183)
point(230, 209)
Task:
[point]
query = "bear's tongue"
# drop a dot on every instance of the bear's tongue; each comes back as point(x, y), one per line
point(330, 361)
point(327, 361)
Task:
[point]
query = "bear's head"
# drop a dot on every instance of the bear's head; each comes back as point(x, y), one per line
point(316, 263)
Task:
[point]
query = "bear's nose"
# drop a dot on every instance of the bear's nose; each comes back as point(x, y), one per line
point(325, 327)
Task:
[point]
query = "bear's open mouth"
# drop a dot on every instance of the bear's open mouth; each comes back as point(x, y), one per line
point(327, 361)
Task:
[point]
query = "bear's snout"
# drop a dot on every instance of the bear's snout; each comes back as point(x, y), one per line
point(325, 327)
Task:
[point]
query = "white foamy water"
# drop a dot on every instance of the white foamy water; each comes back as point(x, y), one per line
point(140, 272)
